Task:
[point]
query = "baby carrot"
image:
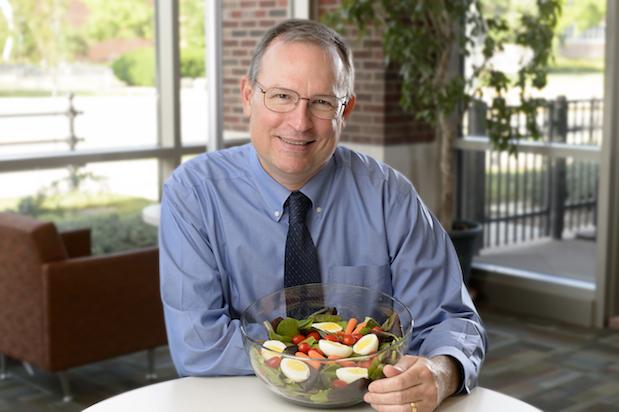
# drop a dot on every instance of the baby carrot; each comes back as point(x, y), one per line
point(350, 326)
point(314, 364)
point(315, 354)
point(359, 327)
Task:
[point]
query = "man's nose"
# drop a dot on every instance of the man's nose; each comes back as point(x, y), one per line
point(301, 118)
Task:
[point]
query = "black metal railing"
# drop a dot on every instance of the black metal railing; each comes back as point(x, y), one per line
point(71, 140)
point(528, 196)
point(70, 113)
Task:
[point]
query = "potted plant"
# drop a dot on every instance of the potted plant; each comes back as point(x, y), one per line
point(422, 37)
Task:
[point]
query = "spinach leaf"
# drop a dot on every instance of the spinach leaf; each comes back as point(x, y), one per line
point(288, 327)
point(321, 396)
point(375, 371)
point(327, 318)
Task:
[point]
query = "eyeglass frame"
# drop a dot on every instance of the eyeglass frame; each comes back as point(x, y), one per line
point(338, 111)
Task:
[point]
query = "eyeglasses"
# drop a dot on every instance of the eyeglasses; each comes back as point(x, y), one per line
point(282, 100)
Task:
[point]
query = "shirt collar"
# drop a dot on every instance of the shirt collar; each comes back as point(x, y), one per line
point(318, 186)
point(275, 195)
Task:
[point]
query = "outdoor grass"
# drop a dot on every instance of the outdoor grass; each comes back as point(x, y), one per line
point(576, 66)
point(24, 93)
point(76, 200)
point(115, 220)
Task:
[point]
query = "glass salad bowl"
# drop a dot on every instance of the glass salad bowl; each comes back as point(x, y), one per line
point(320, 345)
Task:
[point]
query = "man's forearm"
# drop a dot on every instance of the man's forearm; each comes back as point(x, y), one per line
point(448, 375)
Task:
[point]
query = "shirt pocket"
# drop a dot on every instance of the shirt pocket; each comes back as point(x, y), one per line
point(376, 277)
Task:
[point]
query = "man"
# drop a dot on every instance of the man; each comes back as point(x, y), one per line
point(225, 219)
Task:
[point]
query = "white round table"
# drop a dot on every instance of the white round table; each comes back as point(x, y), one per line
point(151, 214)
point(247, 393)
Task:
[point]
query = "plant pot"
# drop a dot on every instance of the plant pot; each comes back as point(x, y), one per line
point(464, 235)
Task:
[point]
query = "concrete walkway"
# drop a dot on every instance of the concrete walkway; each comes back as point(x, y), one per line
point(571, 258)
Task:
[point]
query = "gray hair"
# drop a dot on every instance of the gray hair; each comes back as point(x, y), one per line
point(298, 30)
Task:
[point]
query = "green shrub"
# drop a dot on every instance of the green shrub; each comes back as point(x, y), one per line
point(114, 232)
point(192, 63)
point(136, 68)
point(115, 222)
point(31, 205)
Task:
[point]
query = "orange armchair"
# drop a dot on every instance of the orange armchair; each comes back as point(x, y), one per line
point(61, 307)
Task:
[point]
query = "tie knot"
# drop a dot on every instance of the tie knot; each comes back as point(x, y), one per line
point(298, 204)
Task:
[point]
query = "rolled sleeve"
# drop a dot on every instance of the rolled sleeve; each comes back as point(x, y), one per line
point(462, 340)
point(426, 276)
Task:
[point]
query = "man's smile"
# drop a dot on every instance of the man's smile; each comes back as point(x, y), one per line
point(295, 142)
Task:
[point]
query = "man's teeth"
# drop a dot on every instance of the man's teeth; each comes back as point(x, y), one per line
point(294, 143)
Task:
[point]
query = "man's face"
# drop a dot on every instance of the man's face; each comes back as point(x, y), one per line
point(293, 146)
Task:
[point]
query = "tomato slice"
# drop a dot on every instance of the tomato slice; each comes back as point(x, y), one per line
point(298, 339)
point(332, 338)
point(273, 362)
point(304, 347)
point(338, 384)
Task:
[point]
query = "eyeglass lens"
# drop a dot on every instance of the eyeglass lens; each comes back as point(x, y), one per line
point(284, 100)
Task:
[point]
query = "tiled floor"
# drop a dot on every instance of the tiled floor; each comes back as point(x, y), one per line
point(572, 258)
point(89, 384)
point(554, 367)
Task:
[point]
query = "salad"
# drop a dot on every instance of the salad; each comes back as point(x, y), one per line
point(325, 358)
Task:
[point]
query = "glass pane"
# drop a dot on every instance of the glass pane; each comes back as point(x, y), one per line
point(539, 212)
point(106, 197)
point(193, 82)
point(100, 51)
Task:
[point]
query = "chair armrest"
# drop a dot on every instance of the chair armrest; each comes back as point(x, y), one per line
point(103, 306)
point(76, 242)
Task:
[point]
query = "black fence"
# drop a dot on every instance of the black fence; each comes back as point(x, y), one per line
point(528, 196)
point(70, 113)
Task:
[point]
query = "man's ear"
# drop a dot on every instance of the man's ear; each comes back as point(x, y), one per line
point(246, 94)
point(350, 105)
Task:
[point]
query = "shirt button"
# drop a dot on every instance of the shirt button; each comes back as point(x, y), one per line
point(318, 209)
point(277, 213)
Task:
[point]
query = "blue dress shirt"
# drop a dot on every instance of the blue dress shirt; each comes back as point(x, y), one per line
point(222, 238)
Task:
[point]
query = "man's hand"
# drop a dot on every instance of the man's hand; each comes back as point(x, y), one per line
point(422, 381)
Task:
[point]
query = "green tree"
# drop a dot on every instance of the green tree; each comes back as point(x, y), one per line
point(38, 33)
point(421, 36)
point(582, 15)
point(192, 24)
point(120, 19)
point(5, 31)
point(192, 42)
point(134, 19)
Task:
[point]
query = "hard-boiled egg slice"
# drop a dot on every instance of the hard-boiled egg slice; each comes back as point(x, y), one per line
point(366, 345)
point(351, 374)
point(273, 345)
point(295, 370)
point(334, 348)
point(329, 327)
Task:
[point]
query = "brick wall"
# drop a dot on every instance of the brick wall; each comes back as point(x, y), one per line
point(400, 127)
point(243, 23)
point(377, 119)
